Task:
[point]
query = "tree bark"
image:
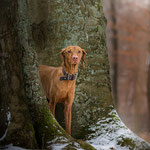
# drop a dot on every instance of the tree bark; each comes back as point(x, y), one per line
point(26, 119)
point(15, 118)
point(113, 20)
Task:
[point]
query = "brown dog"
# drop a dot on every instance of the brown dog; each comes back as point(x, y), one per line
point(59, 82)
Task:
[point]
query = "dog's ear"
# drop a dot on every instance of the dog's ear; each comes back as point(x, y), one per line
point(83, 57)
point(63, 56)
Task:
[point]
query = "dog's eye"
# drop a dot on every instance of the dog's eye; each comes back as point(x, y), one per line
point(79, 51)
point(69, 51)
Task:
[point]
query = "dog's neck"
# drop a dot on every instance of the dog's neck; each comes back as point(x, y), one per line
point(70, 68)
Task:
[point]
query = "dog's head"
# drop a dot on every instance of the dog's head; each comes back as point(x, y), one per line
point(73, 55)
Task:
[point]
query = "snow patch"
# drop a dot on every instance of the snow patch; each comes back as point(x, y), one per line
point(8, 119)
point(108, 133)
point(11, 147)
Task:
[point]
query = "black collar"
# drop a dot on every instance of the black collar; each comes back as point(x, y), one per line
point(68, 76)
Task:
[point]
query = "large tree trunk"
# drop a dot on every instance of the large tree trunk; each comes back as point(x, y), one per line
point(25, 117)
point(15, 118)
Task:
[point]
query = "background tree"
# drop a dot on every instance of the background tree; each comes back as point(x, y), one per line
point(132, 94)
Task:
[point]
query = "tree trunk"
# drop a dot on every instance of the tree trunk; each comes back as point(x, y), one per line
point(15, 118)
point(26, 119)
point(132, 61)
point(113, 21)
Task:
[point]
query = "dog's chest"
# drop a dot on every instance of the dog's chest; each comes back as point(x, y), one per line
point(64, 89)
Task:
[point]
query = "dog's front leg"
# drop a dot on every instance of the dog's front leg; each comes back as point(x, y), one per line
point(67, 114)
point(52, 106)
point(69, 121)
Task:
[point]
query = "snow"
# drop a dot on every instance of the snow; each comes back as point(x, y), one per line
point(109, 131)
point(58, 146)
point(8, 119)
point(61, 146)
point(11, 147)
point(60, 143)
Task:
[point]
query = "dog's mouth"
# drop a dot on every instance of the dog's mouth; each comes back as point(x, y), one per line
point(74, 62)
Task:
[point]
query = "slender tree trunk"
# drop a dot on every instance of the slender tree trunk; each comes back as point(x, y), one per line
point(148, 86)
point(114, 49)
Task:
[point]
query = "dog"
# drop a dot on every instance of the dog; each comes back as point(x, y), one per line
point(59, 82)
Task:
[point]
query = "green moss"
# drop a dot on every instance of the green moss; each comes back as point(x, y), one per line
point(127, 142)
point(85, 145)
point(99, 6)
point(47, 127)
point(53, 133)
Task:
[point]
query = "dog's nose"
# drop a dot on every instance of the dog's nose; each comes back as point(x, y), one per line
point(75, 58)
